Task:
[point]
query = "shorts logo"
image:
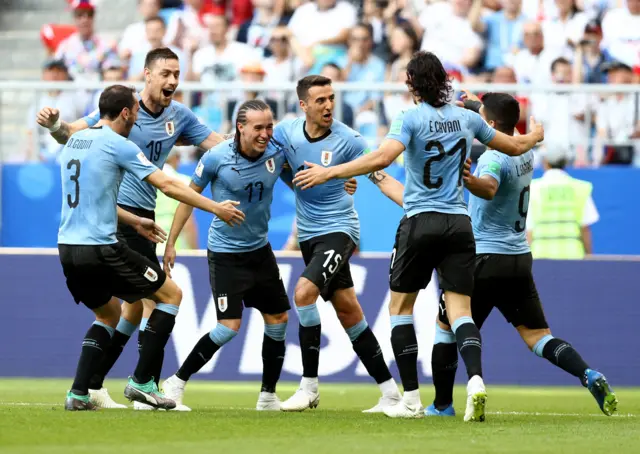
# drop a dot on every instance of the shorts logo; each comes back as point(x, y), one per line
point(222, 303)
point(326, 157)
point(170, 128)
point(151, 275)
point(271, 165)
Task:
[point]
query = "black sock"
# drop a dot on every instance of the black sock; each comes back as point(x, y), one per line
point(470, 347)
point(368, 350)
point(140, 338)
point(111, 355)
point(157, 367)
point(310, 346)
point(563, 355)
point(444, 363)
point(272, 361)
point(93, 346)
point(405, 349)
point(156, 335)
point(199, 356)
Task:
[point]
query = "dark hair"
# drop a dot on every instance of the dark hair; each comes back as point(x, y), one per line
point(559, 164)
point(156, 19)
point(427, 79)
point(366, 26)
point(115, 98)
point(559, 61)
point(254, 105)
point(502, 108)
point(408, 30)
point(161, 53)
point(306, 83)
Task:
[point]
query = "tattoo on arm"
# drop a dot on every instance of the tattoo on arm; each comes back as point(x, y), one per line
point(377, 176)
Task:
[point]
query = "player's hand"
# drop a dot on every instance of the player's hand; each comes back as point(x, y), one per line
point(313, 176)
point(228, 212)
point(351, 185)
point(468, 96)
point(47, 117)
point(169, 259)
point(151, 231)
point(466, 171)
point(537, 129)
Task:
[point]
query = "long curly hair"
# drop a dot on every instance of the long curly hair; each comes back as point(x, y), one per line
point(427, 79)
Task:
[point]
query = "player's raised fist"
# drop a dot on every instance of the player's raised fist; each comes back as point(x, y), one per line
point(536, 128)
point(228, 212)
point(47, 117)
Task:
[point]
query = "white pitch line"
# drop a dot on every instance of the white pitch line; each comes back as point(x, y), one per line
point(526, 413)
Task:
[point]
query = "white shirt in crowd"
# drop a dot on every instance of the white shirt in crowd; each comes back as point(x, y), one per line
point(447, 35)
point(194, 29)
point(557, 33)
point(590, 215)
point(621, 35)
point(618, 119)
point(533, 69)
point(288, 70)
point(557, 113)
point(84, 58)
point(310, 25)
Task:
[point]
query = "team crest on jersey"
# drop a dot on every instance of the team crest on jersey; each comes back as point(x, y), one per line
point(326, 157)
point(170, 127)
point(271, 165)
point(222, 303)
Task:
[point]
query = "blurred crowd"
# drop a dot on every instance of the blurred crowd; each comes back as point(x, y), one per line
point(479, 41)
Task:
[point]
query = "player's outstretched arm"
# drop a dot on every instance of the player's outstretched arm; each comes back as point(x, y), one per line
point(180, 218)
point(60, 130)
point(145, 227)
point(176, 189)
point(388, 152)
point(517, 145)
point(389, 186)
point(484, 187)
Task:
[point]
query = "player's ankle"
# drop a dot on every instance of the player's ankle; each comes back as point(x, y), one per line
point(309, 384)
point(411, 397)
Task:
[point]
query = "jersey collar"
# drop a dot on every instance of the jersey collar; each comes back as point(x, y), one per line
point(151, 114)
point(314, 139)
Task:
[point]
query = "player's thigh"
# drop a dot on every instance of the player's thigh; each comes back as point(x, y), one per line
point(456, 269)
point(523, 306)
point(267, 294)
point(325, 258)
point(127, 234)
point(348, 309)
point(230, 278)
point(487, 289)
point(85, 275)
point(415, 254)
point(109, 313)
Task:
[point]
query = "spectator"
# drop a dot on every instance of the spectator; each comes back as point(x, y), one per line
point(618, 121)
point(136, 34)
point(187, 29)
point(324, 27)
point(505, 75)
point(51, 35)
point(447, 32)
point(333, 72)
point(72, 105)
point(404, 43)
point(563, 115)
point(155, 32)
point(251, 73)
point(362, 66)
point(257, 31)
point(113, 70)
point(561, 211)
point(533, 63)
point(593, 58)
point(394, 103)
point(84, 51)
point(621, 33)
point(565, 30)
point(503, 30)
point(373, 14)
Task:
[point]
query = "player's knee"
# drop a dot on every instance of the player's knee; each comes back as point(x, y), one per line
point(532, 337)
point(233, 324)
point(110, 313)
point(132, 312)
point(443, 326)
point(305, 294)
point(276, 319)
point(175, 296)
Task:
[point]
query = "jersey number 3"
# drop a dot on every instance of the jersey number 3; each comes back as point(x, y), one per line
point(74, 177)
point(461, 146)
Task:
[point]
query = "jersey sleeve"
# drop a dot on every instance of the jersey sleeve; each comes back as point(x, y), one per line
point(207, 168)
point(401, 128)
point(481, 130)
point(280, 133)
point(92, 118)
point(133, 160)
point(194, 131)
point(358, 146)
point(492, 164)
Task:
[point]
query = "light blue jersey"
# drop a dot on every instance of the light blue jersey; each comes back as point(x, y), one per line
point(499, 224)
point(156, 134)
point(326, 208)
point(93, 163)
point(437, 143)
point(234, 176)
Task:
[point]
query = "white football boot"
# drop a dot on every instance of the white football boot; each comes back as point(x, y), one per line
point(409, 406)
point(173, 388)
point(268, 402)
point(101, 399)
point(307, 396)
point(476, 399)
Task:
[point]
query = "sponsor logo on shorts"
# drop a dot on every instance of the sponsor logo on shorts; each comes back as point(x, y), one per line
point(151, 275)
point(326, 157)
point(271, 165)
point(170, 128)
point(222, 303)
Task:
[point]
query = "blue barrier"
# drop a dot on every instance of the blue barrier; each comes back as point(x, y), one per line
point(592, 304)
point(31, 198)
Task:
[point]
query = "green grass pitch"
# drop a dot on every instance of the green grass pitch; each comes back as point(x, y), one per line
point(519, 420)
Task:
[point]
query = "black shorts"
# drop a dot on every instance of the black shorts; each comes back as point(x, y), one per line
point(249, 277)
point(327, 262)
point(96, 273)
point(428, 241)
point(505, 282)
point(128, 235)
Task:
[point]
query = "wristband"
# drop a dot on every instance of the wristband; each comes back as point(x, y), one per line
point(56, 126)
point(473, 105)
